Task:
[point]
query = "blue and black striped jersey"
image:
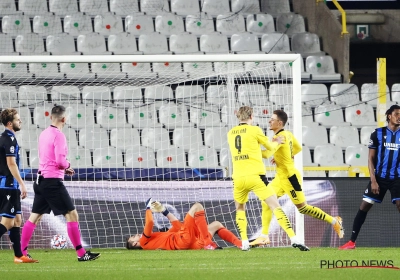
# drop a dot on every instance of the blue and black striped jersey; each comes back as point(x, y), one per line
point(8, 148)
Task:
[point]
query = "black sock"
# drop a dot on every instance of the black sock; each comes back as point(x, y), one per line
point(3, 230)
point(15, 237)
point(357, 224)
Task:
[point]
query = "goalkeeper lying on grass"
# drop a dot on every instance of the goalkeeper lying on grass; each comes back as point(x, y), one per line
point(192, 234)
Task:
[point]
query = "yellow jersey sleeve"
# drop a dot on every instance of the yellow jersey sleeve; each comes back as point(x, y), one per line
point(284, 156)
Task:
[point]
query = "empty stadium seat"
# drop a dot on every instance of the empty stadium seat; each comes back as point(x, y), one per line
point(14, 70)
point(47, 24)
point(77, 24)
point(169, 24)
point(65, 94)
point(230, 23)
point(199, 23)
point(172, 115)
point(158, 95)
point(107, 24)
point(169, 70)
point(92, 43)
point(76, 70)
point(61, 44)
point(107, 70)
point(154, 8)
point(124, 7)
point(306, 44)
point(253, 94)
point(245, 43)
point(328, 155)
point(314, 135)
point(366, 132)
point(226, 161)
point(46, 70)
point(7, 45)
point(214, 43)
point(80, 116)
point(198, 70)
point(96, 94)
point(205, 116)
point(369, 93)
point(184, 43)
point(344, 94)
point(172, 157)
point(109, 157)
point(216, 137)
point(63, 7)
point(290, 24)
point(217, 94)
point(260, 24)
point(280, 94)
point(93, 138)
point(322, 69)
point(155, 138)
point(128, 96)
point(28, 137)
point(275, 43)
point(33, 158)
point(190, 94)
point(141, 157)
point(122, 43)
point(153, 43)
point(41, 115)
point(329, 115)
point(284, 68)
point(7, 7)
point(215, 7)
point(16, 24)
point(31, 8)
point(360, 115)
point(245, 6)
point(261, 69)
point(32, 95)
point(137, 70)
point(23, 159)
point(71, 136)
point(204, 157)
point(139, 24)
point(262, 115)
point(29, 44)
point(307, 157)
point(344, 136)
point(357, 155)
point(143, 116)
point(79, 158)
point(187, 138)
point(306, 114)
point(9, 97)
point(93, 7)
point(124, 139)
point(26, 118)
point(275, 7)
point(314, 94)
point(185, 7)
point(109, 117)
point(396, 93)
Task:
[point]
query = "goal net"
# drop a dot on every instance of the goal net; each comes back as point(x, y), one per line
point(148, 126)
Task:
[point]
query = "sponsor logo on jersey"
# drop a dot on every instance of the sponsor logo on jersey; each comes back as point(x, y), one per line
point(8, 197)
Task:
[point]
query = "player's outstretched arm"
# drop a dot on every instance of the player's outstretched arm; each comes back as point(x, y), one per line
point(158, 207)
point(149, 222)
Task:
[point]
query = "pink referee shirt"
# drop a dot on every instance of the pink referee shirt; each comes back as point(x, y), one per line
point(53, 152)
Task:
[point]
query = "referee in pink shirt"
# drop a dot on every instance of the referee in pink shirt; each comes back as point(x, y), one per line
point(50, 192)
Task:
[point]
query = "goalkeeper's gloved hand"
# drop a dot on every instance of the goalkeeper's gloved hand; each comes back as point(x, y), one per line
point(148, 203)
point(158, 207)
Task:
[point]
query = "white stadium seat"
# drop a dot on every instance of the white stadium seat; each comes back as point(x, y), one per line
point(204, 157)
point(155, 138)
point(65, 94)
point(275, 7)
point(107, 24)
point(47, 70)
point(143, 116)
point(137, 70)
point(357, 155)
point(284, 68)
point(154, 7)
point(214, 43)
point(169, 24)
point(314, 94)
point(172, 115)
point(76, 70)
point(110, 117)
point(226, 161)
point(47, 24)
point(275, 43)
point(328, 155)
point(215, 7)
point(41, 115)
point(307, 157)
point(80, 116)
point(107, 158)
point(7, 7)
point(262, 114)
point(260, 24)
point(329, 115)
point(261, 69)
point(245, 6)
point(63, 7)
point(245, 43)
point(253, 95)
point(290, 24)
point(185, 7)
point(96, 94)
point(187, 138)
point(33, 158)
point(280, 94)
point(29, 44)
point(184, 43)
point(153, 43)
point(141, 157)
point(122, 43)
point(79, 158)
point(93, 7)
point(77, 24)
point(230, 23)
point(216, 137)
point(14, 70)
point(32, 95)
point(8, 97)
point(306, 44)
point(92, 43)
point(344, 94)
point(360, 115)
point(28, 138)
point(125, 96)
point(205, 116)
point(217, 94)
point(108, 70)
point(172, 157)
point(124, 139)
point(199, 24)
point(322, 69)
point(369, 93)
point(7, 45)
point(310, 132)
point(124, 7)
point(139, 24)
point(366, 132)
point(31, 8)
point(158, 95)
point(16, 24)
point(93, 138)
point(344, 136)
point(61, 44)
point(168, 70)
point(71, 136)
point(190, 94)
point(26, 118)
point(396, 93)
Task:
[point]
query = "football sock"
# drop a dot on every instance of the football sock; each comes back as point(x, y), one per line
point(201, 223)
point(75, 237)
point(241, 222)
point(3, 230)
point(317, 213)
point(228, 236)
point(27, 231)
point(357, 224)
point(15, 237)
point(283, 221)
point(266, 217)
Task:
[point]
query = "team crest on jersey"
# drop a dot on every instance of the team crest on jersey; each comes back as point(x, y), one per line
point(12, 138)
point(384, 136)
point(366, 191)
point(12, 149)
point(12, 210)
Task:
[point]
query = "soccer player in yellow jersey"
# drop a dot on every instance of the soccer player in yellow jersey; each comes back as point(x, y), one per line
point(249, 174)
point(288, 180)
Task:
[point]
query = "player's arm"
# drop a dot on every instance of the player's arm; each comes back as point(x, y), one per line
point(267, 153)
point(60, 152)
point(373, 145)
point(296, 148)
point(12, 165)
point(264, 140)
point(158, 207)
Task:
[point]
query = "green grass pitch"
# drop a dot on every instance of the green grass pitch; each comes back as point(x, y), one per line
point(229, 263)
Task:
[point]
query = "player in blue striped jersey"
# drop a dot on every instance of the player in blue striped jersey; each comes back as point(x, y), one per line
point(384, 169)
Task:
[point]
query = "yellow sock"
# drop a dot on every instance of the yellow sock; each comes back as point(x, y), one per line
point(266, 217)
point(284, 222)
point(317, 213)
point(241, 222)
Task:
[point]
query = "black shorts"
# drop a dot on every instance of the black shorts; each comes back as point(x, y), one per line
point(10, 202)
point(51, 195)
point(384, 185)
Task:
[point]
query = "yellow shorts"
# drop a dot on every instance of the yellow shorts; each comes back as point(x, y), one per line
point(290, 186)
point(255, 183)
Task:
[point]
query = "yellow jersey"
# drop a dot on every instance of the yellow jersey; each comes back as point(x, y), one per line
point(283, 156)
point(244, 142)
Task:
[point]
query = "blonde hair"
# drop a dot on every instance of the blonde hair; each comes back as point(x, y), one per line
point(244, 113)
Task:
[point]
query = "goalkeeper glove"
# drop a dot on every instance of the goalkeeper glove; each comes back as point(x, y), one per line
point(158, 207)
point(148, 203)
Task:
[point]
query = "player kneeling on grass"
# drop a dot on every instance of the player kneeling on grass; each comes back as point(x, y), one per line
point(192, 234)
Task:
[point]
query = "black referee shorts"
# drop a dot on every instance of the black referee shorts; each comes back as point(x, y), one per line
point(51, 195)
point(384, 185)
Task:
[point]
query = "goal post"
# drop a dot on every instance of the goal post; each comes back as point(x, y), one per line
point(143, 126)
